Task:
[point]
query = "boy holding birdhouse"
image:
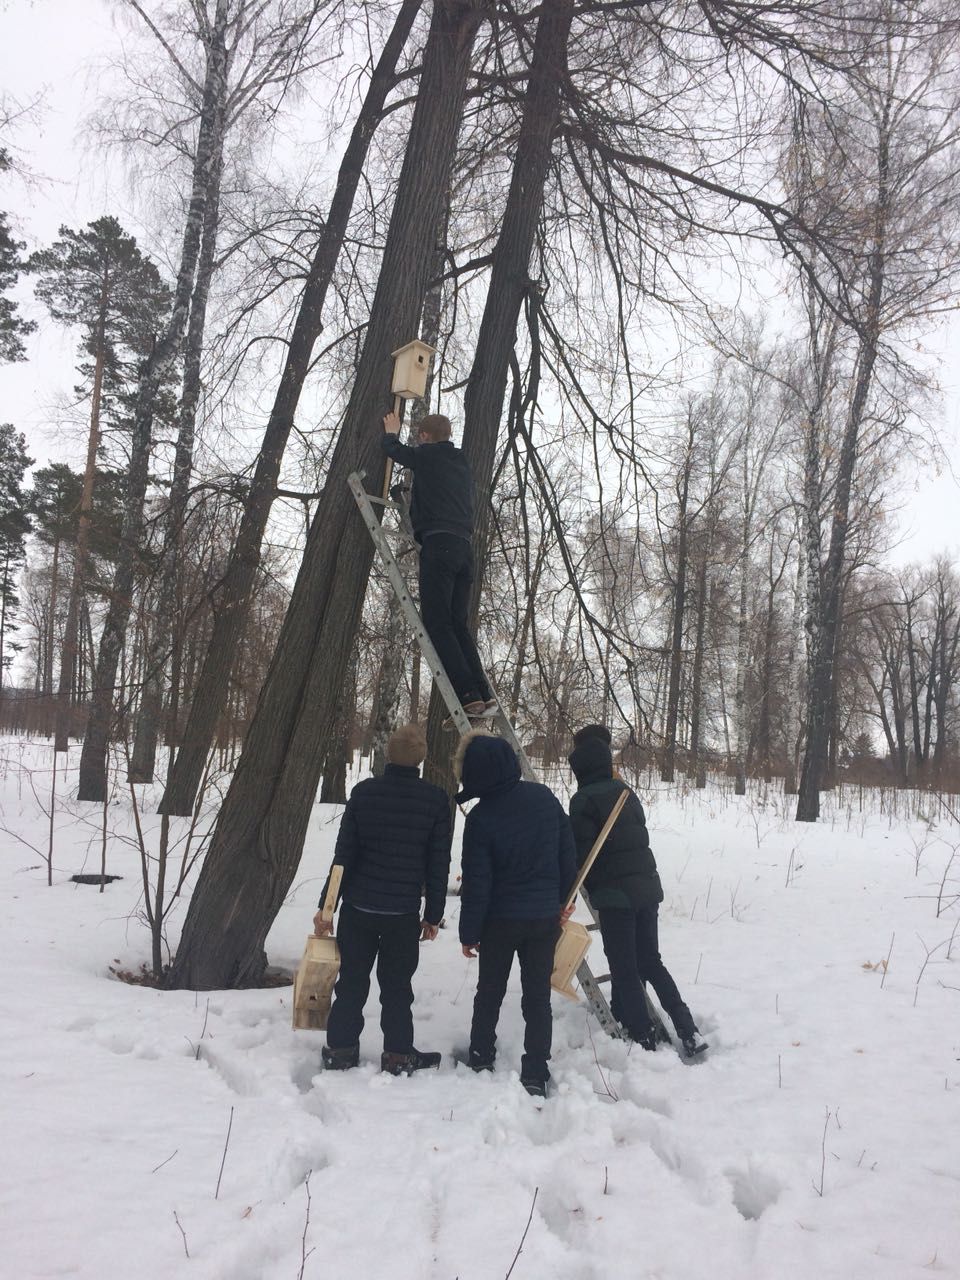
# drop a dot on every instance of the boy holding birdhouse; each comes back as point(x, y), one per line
point(441, 512)
point(625, 891)
point(394, 846)
point(518, 866)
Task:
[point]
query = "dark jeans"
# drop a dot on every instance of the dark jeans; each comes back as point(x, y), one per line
point(633, 954)
point(534, 942)
point(446, 576)
point(394, 943)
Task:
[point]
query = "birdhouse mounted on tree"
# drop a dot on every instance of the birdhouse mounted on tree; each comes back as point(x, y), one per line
point(411, 364)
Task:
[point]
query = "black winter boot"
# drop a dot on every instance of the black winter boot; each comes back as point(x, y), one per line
point(480, 1061)
point(694, 1044)
point(340, 1059)
point(404, 1064)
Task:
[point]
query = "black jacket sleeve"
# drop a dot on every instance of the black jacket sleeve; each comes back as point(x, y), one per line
point(586, 825)
point(438, 865)
point(477, 882)
point(392, 446)
point(345, 851)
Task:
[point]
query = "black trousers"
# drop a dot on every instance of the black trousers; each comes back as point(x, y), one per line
point(394, 943)
point(534, 942)
point(633, 954)
point(446, 576)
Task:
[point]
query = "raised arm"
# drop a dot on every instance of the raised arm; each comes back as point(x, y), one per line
point(391, 446)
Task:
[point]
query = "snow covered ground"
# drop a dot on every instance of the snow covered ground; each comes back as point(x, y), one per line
point(820, 1140)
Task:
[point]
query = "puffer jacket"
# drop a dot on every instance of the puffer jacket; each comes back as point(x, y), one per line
point(518, 849)
point(394, 844)
point(625, 872)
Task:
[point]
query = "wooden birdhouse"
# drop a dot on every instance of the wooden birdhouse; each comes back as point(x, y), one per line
point(314, 983)
point(411, 364)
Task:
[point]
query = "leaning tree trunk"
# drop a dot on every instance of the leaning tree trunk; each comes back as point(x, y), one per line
point(93, 758)
point(257, 842)
point(487, 384)
point(232, 599)
point(387, 698)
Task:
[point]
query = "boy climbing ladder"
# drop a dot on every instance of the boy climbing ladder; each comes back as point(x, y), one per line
point(441, 512)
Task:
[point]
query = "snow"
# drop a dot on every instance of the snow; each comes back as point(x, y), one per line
point(821, 1137)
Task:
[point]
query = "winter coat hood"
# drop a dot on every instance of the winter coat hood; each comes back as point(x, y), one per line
point(591, 761)
point(488, 766)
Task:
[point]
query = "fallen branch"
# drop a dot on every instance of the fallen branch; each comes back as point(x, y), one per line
point(224, 1160)
point(524, 1236)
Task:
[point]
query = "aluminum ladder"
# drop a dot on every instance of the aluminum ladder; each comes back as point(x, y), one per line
point(589, 984)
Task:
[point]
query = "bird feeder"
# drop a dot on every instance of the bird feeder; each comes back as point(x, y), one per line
point(411, 364)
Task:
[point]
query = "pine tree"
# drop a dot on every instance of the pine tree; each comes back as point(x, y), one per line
point(14, 527)
point(13, 327)
point(97, 280)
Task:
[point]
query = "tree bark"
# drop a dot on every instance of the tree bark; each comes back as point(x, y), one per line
point(509, 285)
point(257, 842)
point(232, 599)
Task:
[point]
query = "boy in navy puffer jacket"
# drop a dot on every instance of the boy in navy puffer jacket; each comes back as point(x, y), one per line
point(394, 846)
point(518, 866)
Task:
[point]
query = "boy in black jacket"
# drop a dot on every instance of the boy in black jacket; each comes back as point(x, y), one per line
point(518, 866)
point(625, 891)
point(394, 839)
point(441, 511)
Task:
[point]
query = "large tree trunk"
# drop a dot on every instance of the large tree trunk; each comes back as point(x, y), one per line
point(257, 842)
point(827, 621)
point(232, 599)
point(509, 284)
point(387, 698)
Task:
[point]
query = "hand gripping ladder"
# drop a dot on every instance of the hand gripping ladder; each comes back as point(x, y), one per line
point(588, 983)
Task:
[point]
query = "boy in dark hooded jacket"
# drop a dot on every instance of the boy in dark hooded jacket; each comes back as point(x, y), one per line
point(518, 866)
point(625, 891)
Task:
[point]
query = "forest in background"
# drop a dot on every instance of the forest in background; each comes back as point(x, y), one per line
point(681, 264)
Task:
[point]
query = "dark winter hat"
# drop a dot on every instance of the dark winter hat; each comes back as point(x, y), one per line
point(598, 731)
point(407, 745)
point(591, 760)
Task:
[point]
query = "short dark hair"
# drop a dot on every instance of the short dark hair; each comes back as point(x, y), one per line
point(435, 426)
point(590, 731)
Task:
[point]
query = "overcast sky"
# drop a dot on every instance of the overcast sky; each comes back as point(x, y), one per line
point(49, 50)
